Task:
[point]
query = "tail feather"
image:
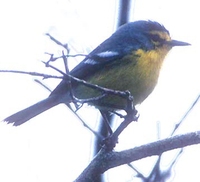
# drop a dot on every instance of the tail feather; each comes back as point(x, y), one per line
point(32, 111)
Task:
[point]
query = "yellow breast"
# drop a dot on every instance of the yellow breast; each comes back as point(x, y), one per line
point(137, 72)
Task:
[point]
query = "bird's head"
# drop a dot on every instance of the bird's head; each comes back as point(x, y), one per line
point(157, 34)
point(147, 35)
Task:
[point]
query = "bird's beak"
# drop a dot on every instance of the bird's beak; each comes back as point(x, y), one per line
point(177, 43)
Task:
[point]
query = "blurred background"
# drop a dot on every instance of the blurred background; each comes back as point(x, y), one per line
point(55, 146)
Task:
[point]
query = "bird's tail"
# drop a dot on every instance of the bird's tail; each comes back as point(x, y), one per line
point(32, 111)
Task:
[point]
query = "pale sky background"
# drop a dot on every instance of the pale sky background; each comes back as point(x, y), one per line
point(55, 146)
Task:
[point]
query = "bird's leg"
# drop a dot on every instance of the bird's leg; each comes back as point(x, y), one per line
point(111, 141)
point(132, 115)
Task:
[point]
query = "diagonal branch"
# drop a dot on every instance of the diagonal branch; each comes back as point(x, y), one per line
point(106, 160)
point(186, 114)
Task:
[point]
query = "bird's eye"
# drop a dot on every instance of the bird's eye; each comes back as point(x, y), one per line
point(156, 38)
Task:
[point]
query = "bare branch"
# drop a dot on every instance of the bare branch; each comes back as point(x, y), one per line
point(106, 160)
point(45, 76)
point(58, 42)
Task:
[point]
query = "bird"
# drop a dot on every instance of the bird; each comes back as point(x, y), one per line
point(129, 60)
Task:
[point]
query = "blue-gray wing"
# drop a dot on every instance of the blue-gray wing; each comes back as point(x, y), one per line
point(121, 43)
point(105, 54)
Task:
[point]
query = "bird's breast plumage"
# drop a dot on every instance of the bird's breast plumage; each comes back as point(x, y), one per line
point(137, 72)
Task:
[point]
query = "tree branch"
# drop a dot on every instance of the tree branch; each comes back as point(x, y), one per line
point(106, 160)
point(45, 76)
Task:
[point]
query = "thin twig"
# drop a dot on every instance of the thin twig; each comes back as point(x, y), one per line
point(123, 94)
point(58, 42)
point(185, 115)
point(87, 126)
point(43, 85)
point(65, 60)
point(139, 174)
point(45, 76)
point(68, 55)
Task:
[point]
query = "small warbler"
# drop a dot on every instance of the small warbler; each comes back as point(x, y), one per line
point(130, 59)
